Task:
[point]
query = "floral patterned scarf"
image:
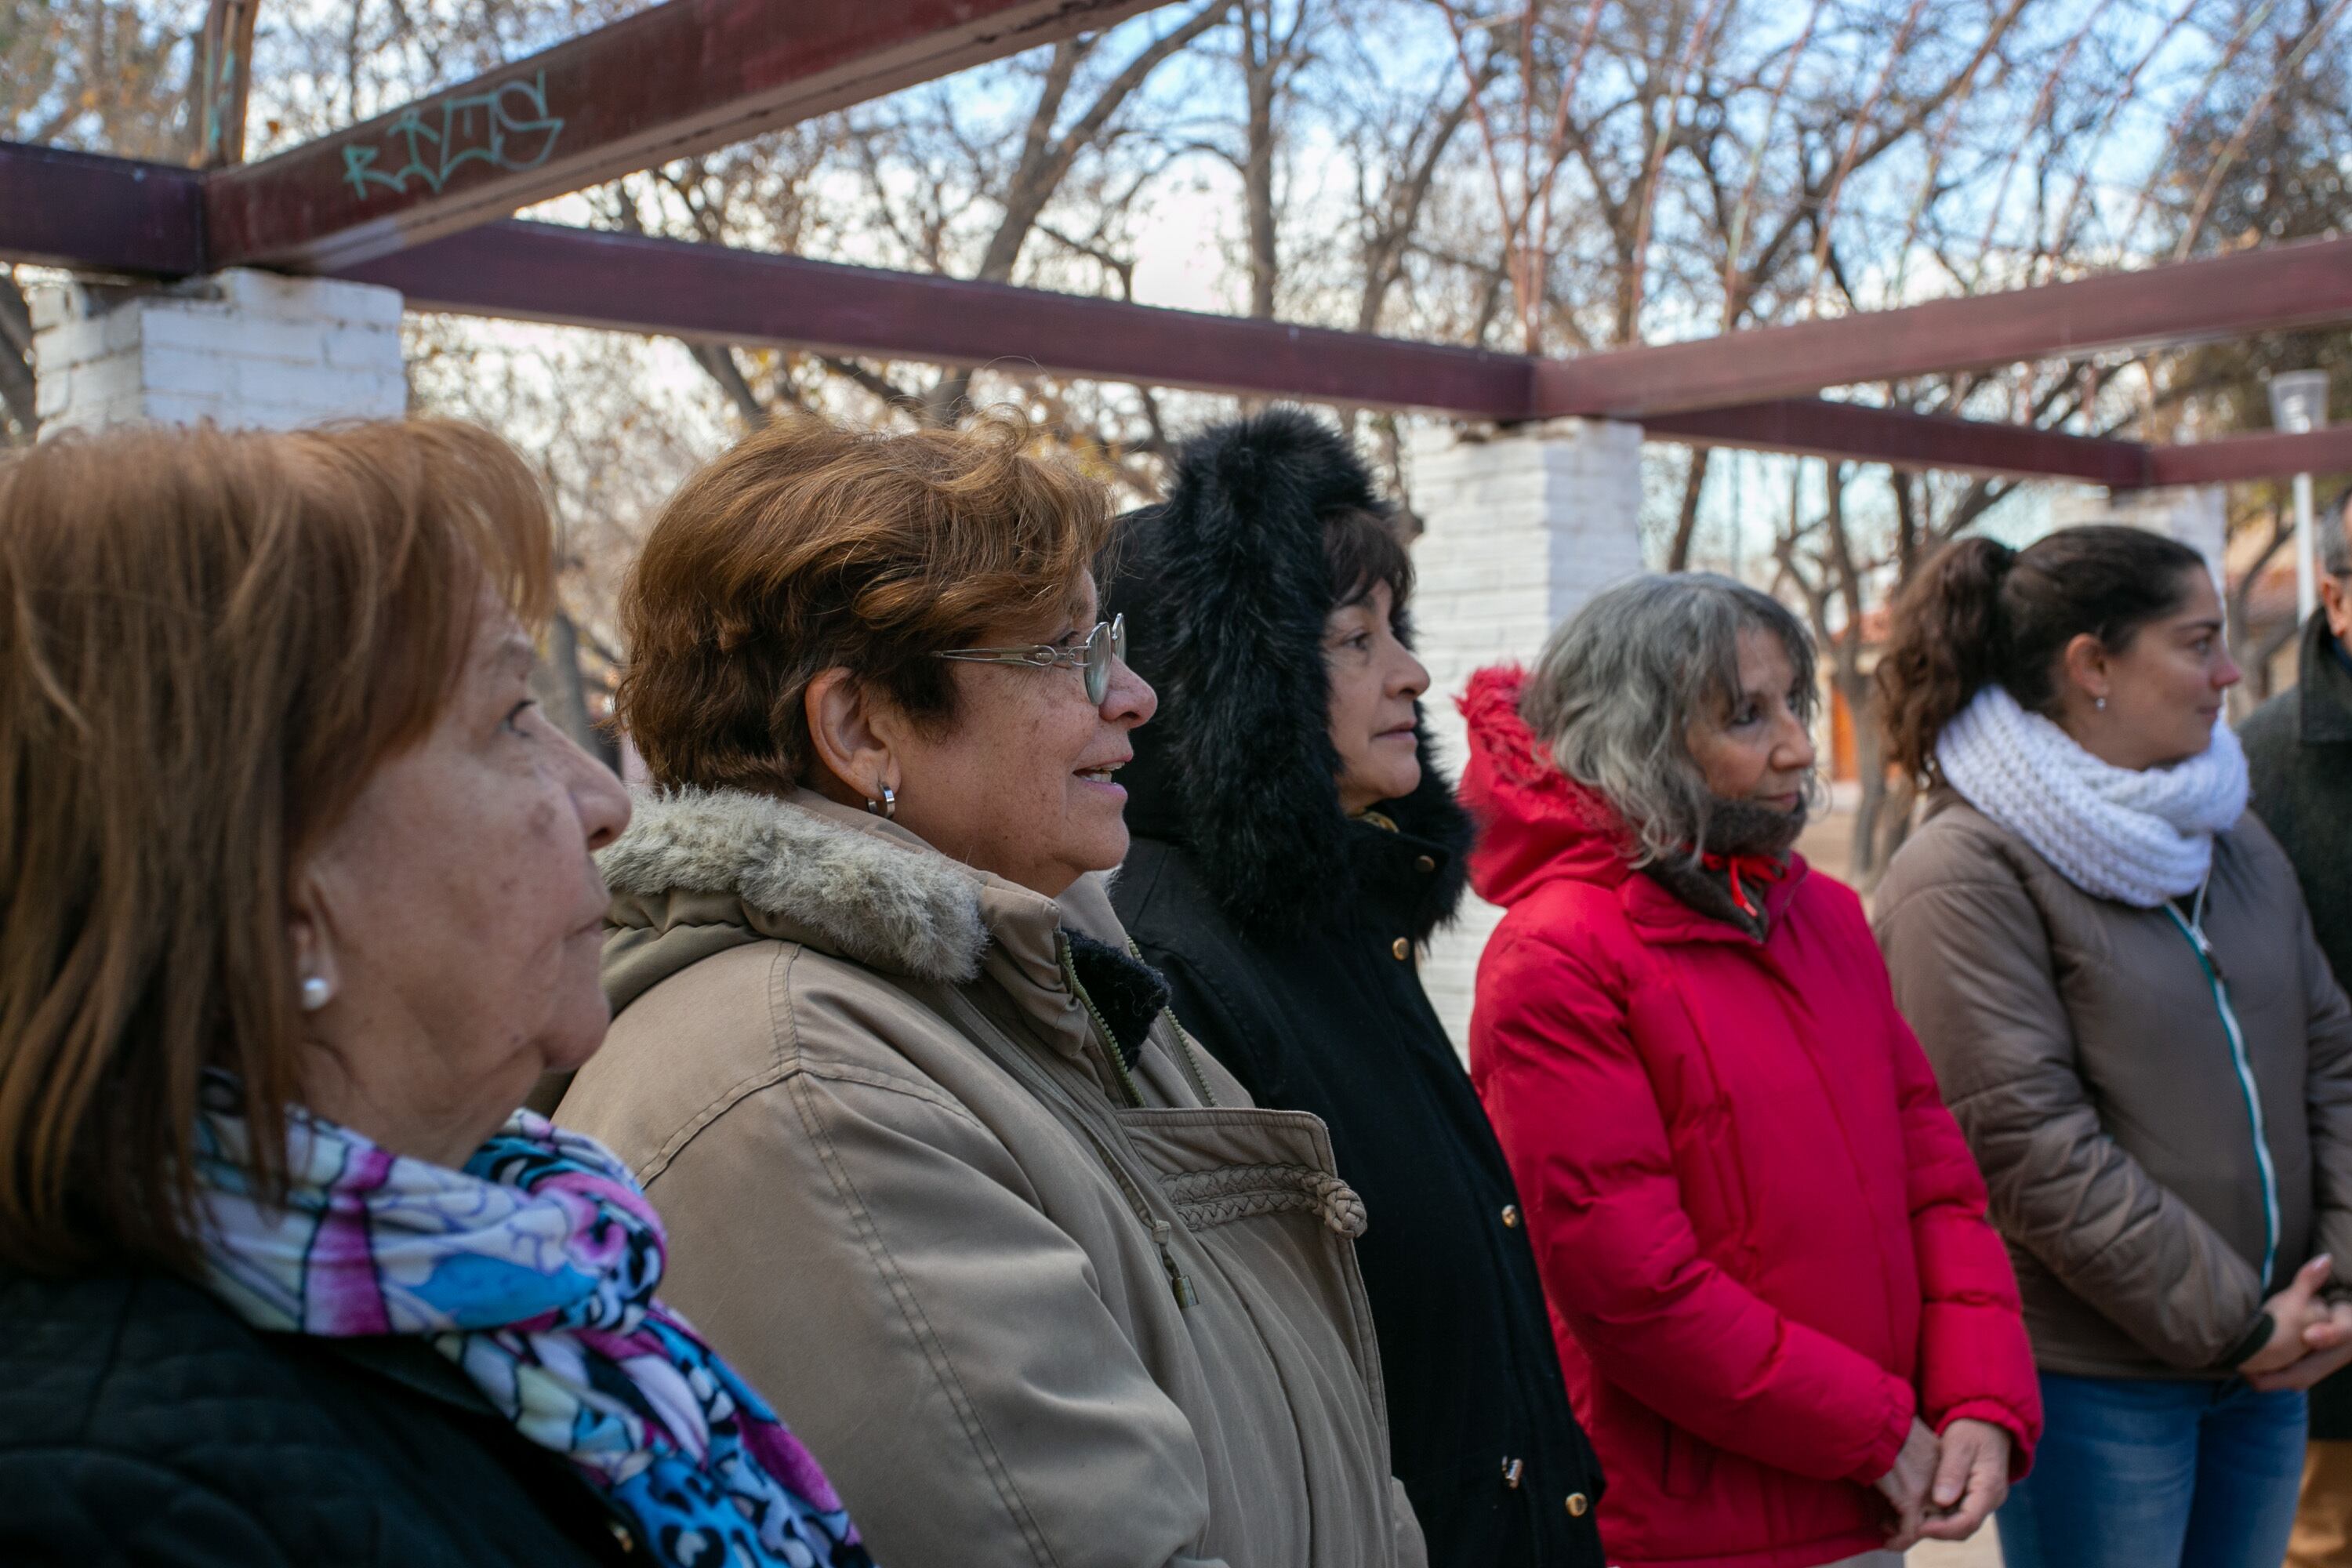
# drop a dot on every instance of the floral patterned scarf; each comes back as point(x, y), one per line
point(533, 1270)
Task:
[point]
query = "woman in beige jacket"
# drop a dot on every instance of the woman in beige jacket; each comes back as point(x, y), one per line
point(2110, 967)
point(1024, 1269)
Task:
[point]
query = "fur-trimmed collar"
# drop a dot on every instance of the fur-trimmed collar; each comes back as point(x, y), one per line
point(1226, 589)
point(865, 895)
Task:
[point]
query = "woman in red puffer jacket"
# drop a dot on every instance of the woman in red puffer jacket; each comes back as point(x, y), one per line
point(1785, 1321)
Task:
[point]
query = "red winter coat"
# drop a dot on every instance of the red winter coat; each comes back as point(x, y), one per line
point(1763, 1240)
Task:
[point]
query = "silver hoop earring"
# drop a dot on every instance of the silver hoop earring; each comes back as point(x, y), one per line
point(888, 806)
point(315, 993)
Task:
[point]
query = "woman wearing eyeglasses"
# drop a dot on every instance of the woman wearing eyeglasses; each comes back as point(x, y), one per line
point(882, 1058)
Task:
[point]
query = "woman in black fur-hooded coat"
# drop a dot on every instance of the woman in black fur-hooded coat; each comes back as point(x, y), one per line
point(1265, 600)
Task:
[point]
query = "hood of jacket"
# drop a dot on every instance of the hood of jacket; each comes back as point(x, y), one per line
point(1536, 824)
point(798, 875)
point(699, 871)
point(1226, 589)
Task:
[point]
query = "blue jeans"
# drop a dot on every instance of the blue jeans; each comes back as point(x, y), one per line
point(2134, 1474)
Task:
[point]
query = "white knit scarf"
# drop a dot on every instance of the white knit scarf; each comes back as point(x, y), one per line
point(2139, 836)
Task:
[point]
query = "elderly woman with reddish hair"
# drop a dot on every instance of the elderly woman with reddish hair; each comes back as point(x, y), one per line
point(296, 902)
point(883, 1056)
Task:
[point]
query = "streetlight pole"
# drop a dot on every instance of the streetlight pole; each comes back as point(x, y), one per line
point(2299, 405)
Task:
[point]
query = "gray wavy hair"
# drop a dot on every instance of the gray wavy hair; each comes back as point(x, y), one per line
point(1620, 681)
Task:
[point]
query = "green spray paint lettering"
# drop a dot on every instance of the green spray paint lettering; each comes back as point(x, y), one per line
point(508, 128)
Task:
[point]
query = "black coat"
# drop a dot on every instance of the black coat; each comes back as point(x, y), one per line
point(1287, 933)
point(142, 1423)
point(2299, 756)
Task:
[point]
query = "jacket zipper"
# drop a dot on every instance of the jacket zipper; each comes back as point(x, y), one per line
point(1192, 1063)
point(2246, 1088)
point(1118, 1063)
point(1102, 1027)
point(1180, 1284)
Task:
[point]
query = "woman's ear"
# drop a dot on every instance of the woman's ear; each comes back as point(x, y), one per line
point(317, 977)
point(852, 735)
point(2085, 662)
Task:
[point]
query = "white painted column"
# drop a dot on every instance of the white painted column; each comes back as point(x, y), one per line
point(2196, 515)
point(242, 348)
point(1521, 526)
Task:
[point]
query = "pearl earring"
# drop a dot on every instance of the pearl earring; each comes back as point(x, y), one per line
point(2100, 703)
point(315, 992)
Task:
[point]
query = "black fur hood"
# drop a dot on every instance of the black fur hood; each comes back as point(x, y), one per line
point(1225, 590)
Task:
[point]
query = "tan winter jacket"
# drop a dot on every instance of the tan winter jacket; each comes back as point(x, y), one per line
point(2148, 1126)
point(907, 1197)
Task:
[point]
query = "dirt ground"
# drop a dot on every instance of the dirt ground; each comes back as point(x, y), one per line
point(1982, 1551)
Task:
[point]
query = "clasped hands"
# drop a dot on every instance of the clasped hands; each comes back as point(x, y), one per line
point(1944, 1488)
point(2310, 1338)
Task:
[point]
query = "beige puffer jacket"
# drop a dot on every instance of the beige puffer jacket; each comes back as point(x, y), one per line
point(2110, 1086)
point(907, 1197)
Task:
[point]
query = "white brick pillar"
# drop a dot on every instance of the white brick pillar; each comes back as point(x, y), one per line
point(2195, 515)
point(242, 348)
point(1521, 526)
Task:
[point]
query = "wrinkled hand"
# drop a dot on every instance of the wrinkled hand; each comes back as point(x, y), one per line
point(1971, 1481)
point(2330, 1343)
point(2304, 1321)
point(1906, 1486)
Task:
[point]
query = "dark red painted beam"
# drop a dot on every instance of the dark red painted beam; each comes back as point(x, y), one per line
point(681, 77)
point(110, 215)
point(2269, 290)
point(1854, 432)
point(98, 213)
point(542, 272)
point(2237, 457)
point(627, 282)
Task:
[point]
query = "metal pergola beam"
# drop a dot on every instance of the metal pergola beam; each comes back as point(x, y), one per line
point(543, 272)
point(2272, 288)
point(1854, 432)
point(99, 214)
point(681, 77)
point(114, 215)
point(2234, 459)
point(630, 283)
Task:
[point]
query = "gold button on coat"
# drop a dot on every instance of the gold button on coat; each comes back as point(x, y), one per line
point(1511, 1215)
point(1579, 1505)
point(1402, 948)
point(1424, 863)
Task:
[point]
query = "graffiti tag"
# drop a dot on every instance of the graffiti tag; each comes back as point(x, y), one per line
point(508, 128)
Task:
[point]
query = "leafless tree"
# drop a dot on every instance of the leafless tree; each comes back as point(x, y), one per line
point(1555, 176)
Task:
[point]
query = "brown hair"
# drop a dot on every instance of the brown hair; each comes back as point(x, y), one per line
point(1981, 613)
point(809, 547)
point(1362, 549)
point(211, 641)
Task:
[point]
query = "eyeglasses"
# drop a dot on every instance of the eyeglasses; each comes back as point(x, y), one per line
point(1092, 657)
